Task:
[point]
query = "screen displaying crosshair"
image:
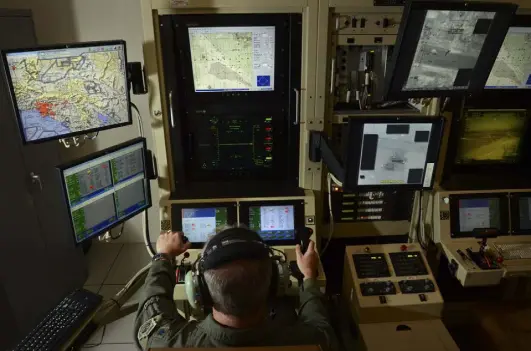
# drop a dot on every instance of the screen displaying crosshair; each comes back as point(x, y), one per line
point(103, 191)
point(233, 58)
point(479, 214)
point(273, 223)
point(234, 143)
point(199, 224)
point(491, 136)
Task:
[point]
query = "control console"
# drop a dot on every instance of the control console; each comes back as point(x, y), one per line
point(389, 283)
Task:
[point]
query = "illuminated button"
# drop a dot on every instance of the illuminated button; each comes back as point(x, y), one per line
point(268, 148)
point(269, 129)
point(403, 248)
point(268, 138)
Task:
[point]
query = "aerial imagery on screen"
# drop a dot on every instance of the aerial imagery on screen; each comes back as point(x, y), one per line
point(65, 91)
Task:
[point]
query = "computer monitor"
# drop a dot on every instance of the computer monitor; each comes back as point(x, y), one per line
point(277, 222)
point(234, 143)
point(201, 221)
point(520, 213)
point(68, 90)
point(226, 59)
point(472, 215)
point(491, 136)
point(390, 153)
point(106, 188)
point(446, 48)
point(512, 69)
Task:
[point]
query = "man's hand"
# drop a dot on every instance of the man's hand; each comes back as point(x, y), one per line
point(309, 262)
point(172, 244)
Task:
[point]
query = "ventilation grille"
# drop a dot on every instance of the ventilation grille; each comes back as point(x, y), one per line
point(165, 225)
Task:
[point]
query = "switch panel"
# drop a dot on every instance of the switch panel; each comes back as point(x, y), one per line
point(416, 286)
point(378, 288)
point(408, 264)
point(368, 23)
point(371, 266)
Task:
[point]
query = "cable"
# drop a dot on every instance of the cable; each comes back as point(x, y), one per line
point(281, 252)
point(335, 180)
point(89, 346)
point(420, 224)
point(120, 234)
point(331, 225)
point(139, 117)
point(145, 220)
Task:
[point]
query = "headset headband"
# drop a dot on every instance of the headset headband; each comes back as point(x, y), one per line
point(231, 245)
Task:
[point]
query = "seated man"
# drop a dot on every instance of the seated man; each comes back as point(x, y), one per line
point(239, 287)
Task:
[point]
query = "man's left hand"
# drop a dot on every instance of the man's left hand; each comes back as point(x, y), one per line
point(172, 244)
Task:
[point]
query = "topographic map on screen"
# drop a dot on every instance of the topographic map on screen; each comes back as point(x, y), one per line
point(65, 91)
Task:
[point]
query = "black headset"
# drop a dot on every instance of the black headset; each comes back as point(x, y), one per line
point(227, 246)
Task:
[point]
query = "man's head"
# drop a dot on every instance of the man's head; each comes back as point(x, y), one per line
point(238, 275)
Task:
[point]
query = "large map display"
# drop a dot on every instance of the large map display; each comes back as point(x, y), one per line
point(66, 91)
point(512, 69)
point(233, 58)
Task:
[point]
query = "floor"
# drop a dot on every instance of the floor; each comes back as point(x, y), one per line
point(110, 267)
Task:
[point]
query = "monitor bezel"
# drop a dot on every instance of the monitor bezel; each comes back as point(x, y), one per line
point(63, 167)
point(407, 42)
point(298, 209)
point(282, 73)
point(496, 93)
point(177, 220)
point(455, 232)
point(355, 144)
point(3, 55)
point(515, 213)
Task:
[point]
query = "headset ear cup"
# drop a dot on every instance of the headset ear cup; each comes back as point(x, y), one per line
point(205, 294)
point(193, 292)
point(275, 280)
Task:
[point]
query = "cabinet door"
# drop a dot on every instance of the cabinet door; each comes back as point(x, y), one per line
point(39, 262)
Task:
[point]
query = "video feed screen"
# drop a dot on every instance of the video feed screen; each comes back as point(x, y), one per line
point(233, 58)
point(273, 223)
point(72, 90)
point(512, 69)
point(199, 224)
point(479, 213)
point(448, 49)
point(491, 137)
point(394, 154)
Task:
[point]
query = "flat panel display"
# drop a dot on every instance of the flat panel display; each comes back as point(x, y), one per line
point(512, 69)
point(491, 136)
point(228, 59)
point(69, 90)
point(199, 224)
point(106, 189)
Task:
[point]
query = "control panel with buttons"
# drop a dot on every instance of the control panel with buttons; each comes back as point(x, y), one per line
point(390, 283)
point(378, 288)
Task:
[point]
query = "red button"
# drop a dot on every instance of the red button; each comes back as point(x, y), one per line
point(403, 248)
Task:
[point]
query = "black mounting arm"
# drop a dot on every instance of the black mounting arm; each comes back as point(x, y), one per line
point(320, 150)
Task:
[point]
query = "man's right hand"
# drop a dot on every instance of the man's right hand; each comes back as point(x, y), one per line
point(309, 262)
point(172, 244)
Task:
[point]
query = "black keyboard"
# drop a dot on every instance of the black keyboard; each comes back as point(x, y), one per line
point(62, 322)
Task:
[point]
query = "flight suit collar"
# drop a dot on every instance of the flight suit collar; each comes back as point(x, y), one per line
point(230, 335)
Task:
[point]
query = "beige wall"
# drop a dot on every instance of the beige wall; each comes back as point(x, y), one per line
point(61, 21)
